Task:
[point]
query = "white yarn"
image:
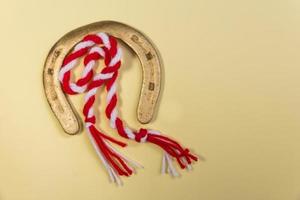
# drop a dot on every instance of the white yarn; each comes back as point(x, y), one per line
point(116, 58)
point(91, 112)
point(111, 92)
point(170, 168)
point(83, 45)
point(65, 69)
point(78, 89)
point(163, 164)
point(105, 39)
point(113, 117)
point(88, 68)
point(129, 133)
point(154, 132)
point(101, 76)
point(99, 50)
point(89, 94)
point(88, 124)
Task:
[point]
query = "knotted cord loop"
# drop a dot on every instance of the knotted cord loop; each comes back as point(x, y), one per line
point(141, 136)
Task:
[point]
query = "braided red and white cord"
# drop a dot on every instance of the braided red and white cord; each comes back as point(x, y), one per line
point(102, 46)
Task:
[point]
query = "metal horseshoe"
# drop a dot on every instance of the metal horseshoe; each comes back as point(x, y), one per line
point(141, 45)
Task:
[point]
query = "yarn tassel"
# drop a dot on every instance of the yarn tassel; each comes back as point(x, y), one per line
point(115, 163)
point(167, 165)
point(172, 149)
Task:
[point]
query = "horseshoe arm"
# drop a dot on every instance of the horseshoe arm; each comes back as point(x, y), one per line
point(141, 45)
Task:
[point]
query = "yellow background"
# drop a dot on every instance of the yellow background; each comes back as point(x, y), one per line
point(231, 92)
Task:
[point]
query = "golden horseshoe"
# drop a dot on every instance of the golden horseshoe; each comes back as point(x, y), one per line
point(141, 45)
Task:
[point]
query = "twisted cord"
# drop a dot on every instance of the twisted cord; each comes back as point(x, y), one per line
point(102, 46)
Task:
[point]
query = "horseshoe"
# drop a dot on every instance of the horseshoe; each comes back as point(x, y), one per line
point(137, 41)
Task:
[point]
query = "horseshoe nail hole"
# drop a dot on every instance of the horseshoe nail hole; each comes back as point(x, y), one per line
point(149, 56)
point(50, 71)
point(56, 53)
point(60, 108)
point(54, 97)
point(134, 38)
point(151, 86)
